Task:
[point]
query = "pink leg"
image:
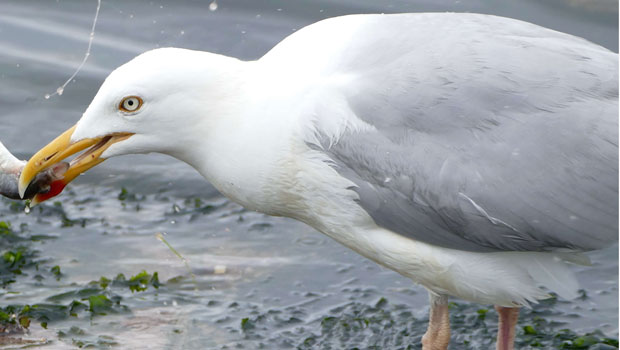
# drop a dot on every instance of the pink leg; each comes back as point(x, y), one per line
point(506, 332)
point(437, 336)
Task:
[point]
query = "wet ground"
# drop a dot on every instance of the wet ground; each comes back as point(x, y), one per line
point(255, 281)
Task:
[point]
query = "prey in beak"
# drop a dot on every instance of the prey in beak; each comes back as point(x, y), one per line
point(40, 187)
point(60, 149)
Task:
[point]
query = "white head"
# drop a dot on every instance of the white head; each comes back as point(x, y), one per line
point(154, 97)
point(143, 106)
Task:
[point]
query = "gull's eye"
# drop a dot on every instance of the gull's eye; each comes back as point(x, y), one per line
point(130, 104)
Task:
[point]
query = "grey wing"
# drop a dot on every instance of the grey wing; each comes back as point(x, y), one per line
point(510, 143)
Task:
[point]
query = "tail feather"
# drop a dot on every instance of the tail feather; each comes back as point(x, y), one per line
point(553, 273)
point(575, 258)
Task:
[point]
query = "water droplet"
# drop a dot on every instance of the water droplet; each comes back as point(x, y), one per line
point(176, 208)
point(47, 96)
point(27, 210)
point(182, 32)
point(60, 90)
point(213, 6)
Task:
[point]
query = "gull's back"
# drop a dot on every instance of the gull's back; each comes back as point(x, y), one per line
point(485, 133)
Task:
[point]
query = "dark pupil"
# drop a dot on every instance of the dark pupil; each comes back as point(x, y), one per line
point(130, 102)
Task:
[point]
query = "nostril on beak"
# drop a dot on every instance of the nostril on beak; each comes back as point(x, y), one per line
point(50, 157)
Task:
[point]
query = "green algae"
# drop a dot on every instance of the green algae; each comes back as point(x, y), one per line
point(381, 325)
point(19, 259)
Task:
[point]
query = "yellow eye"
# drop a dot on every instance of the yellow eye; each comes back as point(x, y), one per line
point(130, 104)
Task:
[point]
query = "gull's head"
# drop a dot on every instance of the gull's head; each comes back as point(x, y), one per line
point(143, 106)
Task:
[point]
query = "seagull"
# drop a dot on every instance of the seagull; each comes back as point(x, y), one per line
point(10, 169)
point(474, 154)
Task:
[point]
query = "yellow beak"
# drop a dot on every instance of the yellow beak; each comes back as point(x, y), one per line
point(58, 150)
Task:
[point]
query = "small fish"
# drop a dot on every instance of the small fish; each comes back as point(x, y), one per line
point(42, 184)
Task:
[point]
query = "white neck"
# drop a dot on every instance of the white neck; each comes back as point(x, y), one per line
point(251, 144)
point(239, 151)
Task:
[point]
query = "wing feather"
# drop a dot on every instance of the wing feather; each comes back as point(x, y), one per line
point(487, 133)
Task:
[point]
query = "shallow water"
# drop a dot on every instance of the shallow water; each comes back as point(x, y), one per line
point(286, 279)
